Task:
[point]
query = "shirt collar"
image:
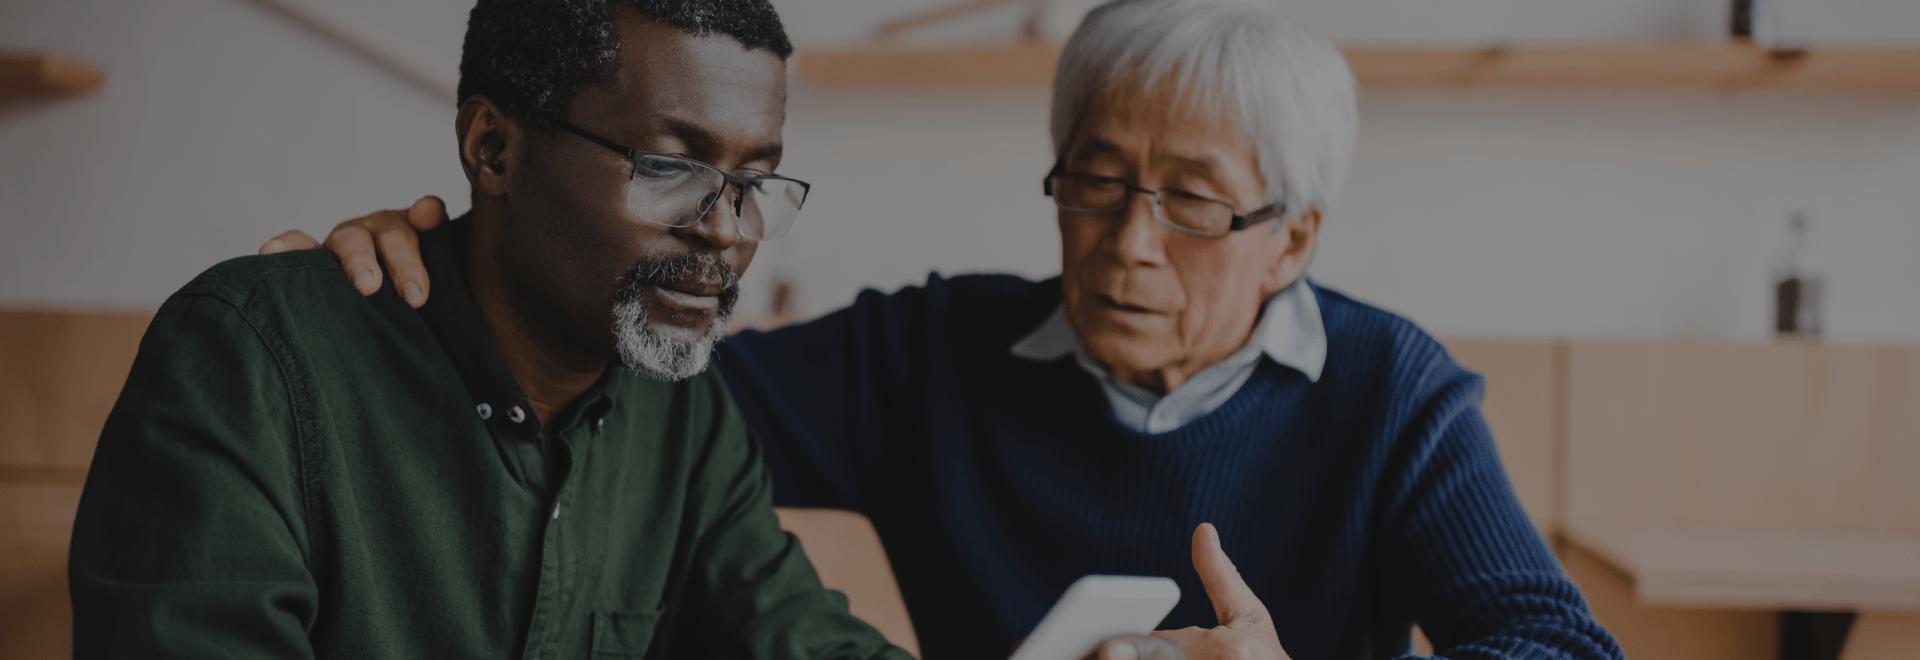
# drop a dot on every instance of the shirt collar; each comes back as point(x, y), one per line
point(1290, 332)
point(454, 319)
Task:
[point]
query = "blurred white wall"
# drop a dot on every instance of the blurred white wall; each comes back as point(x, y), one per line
point(1582, 214)
point(219, 122)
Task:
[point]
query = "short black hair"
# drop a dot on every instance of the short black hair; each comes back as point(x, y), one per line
point(531, 56)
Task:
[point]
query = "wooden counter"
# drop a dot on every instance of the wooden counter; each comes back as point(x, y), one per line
point(1764, 570)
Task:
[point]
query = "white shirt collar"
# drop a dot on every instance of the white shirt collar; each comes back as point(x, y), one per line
point(1290, 332)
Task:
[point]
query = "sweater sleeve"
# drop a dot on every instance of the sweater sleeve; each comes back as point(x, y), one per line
point(825, 397)
point(1460, 556)
point(751, 592)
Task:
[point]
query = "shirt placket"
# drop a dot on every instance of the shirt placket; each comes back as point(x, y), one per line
point(559, 574)
point(557, 582)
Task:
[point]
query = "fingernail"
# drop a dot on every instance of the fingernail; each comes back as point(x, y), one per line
point(1115, 650)
point(364, 279)
point(414, 299)
point(272, 246)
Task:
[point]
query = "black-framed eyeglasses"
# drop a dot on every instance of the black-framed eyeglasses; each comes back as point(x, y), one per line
point(1183, 211)
point(677, 191)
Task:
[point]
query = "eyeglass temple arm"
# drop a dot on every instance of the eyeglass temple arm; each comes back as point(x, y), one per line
point(1270, 212)
point(610, 144)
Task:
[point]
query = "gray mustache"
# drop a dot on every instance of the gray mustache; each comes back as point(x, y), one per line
point(699, 267)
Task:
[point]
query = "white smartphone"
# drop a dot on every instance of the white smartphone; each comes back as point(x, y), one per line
point(1095, 608)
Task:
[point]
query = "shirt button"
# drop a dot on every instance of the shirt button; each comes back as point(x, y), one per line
point(516, 414)
point(556, 512)
point(486, 411)
point(602, 422)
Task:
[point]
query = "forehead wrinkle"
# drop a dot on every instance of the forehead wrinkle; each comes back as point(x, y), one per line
point(686, 131)
point(700, 139)
point(1206, 159)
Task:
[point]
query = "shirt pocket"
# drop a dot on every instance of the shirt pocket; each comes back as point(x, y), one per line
point(623, 634)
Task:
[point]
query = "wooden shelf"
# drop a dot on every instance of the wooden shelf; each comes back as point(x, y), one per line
point(1670, 66)
point(1014, 64)
point(1653, 66)
point(29, 74)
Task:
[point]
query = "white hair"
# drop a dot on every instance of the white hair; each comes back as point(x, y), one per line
point(1286, 88)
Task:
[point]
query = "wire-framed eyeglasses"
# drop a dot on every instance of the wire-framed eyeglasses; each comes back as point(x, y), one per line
point(677, 191)
point(1180, 210)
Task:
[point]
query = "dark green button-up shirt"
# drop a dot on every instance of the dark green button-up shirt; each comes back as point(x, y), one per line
point(295, 471)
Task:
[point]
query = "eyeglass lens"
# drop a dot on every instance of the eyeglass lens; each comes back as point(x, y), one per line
point(1098, 194)
point(677, 192)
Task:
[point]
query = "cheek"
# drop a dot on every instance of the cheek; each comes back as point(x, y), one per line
point(1075, 240)
point(1220, 284)
point(740, 256)
point(1081, 254)
point(581, 239)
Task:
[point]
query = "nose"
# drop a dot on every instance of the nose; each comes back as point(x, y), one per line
point(719, 229)
point(1141, 240)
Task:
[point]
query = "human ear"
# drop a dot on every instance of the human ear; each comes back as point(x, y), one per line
point(1300, 234)
point(487, 145)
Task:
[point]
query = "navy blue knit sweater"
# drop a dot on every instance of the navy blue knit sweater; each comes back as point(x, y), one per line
point(1354, 506)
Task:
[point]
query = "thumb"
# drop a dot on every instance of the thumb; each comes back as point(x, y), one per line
point(427, 213)
point(1233, 601)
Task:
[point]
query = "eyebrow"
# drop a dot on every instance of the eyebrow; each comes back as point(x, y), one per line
point(1209, 164)
point(1093, 146)
point(700, 137)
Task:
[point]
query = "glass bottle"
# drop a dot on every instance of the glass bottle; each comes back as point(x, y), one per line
point(1752, 22)
point(1799, 286)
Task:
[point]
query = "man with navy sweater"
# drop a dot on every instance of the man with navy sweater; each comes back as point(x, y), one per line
point(1007, 437)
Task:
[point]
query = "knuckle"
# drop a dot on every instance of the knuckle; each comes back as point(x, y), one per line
point(370, 222)
point(347, 232)
point(397, 236)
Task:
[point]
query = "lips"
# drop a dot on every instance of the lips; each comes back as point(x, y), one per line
point(1119, 305)
point(690, 290)
point(691, 293)
point(695, 287)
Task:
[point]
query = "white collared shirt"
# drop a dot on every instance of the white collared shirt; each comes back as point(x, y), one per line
point(1290, 333)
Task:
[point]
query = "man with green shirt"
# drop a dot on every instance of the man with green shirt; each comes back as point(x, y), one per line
point(534, 464)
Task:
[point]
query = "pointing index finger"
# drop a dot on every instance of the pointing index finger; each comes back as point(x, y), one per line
point(1233, 600)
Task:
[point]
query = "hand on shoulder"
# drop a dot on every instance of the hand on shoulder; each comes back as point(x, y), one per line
point(360, 244)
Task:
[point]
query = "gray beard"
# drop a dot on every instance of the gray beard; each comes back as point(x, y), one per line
point(666, 352)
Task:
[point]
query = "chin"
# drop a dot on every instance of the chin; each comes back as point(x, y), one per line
point(662, 349)
point(1127, 355)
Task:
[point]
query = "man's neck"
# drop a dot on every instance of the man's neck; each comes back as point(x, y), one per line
point(549, 372)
